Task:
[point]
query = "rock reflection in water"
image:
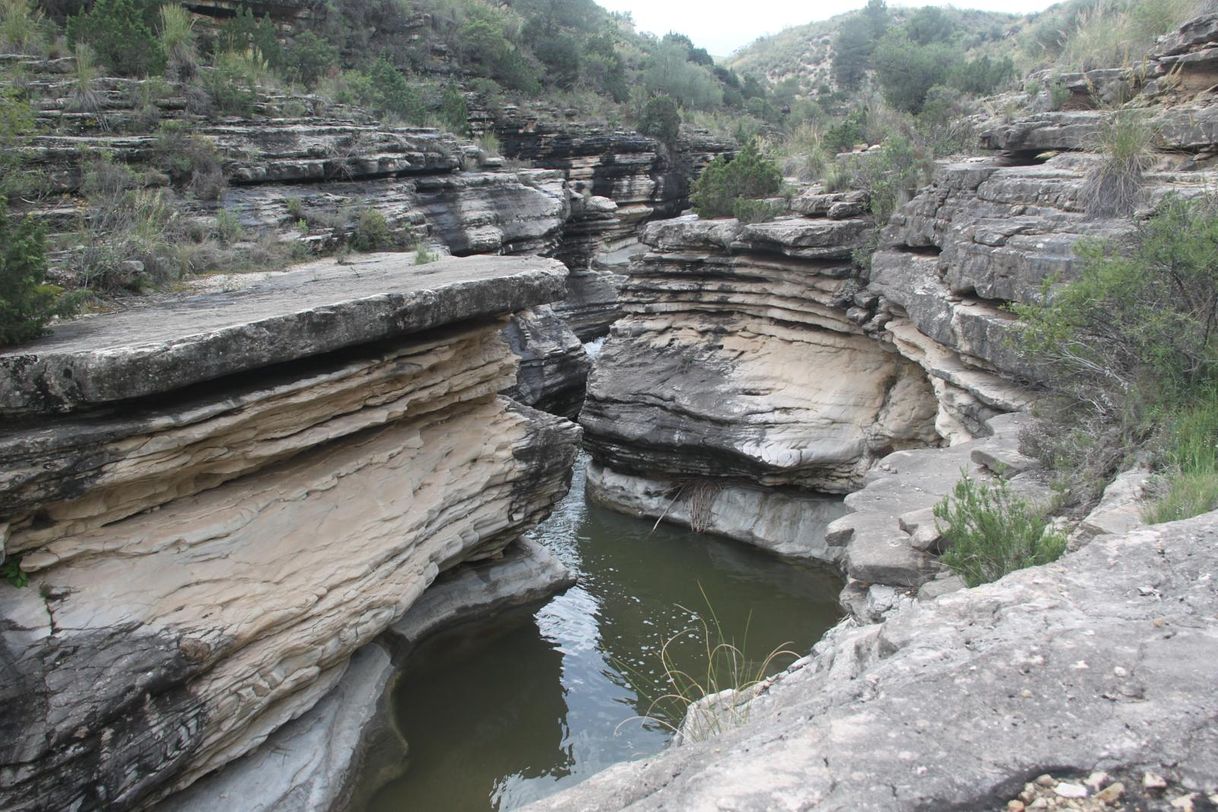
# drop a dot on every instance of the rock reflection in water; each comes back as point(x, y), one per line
point(502, 713)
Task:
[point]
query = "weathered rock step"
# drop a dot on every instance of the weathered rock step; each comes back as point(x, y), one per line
point(314, 309)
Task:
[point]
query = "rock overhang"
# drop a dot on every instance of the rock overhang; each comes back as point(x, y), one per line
point(314, 309)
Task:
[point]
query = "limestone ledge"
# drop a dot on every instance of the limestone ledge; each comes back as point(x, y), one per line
point(65, 477)
point(787, 522)
point(1100, 661)
point(317, 308)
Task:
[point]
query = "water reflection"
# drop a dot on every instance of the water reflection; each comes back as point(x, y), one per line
point(503, 713)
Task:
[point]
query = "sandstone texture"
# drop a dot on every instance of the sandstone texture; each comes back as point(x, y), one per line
point(209, 546)
point(737, 364)
point(309, 762)
point(1103, 661)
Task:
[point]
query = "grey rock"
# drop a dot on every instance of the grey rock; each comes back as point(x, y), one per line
point(526, 573)
point(311, 310)
point(954, 703)
point(307, 763)
point(553, 365)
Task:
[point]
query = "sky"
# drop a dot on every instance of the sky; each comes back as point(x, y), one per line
point(722, 26)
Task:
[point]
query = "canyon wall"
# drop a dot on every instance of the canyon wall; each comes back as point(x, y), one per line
point(218, 499)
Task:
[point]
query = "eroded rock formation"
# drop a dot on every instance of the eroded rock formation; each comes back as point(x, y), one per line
point(738, 367)
point(217, 509)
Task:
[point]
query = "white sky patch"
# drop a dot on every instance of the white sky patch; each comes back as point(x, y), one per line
point(722, 26)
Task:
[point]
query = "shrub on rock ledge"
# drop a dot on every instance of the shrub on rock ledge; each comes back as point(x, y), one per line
point(992, 532)
point(27, 302)
point(724, 182)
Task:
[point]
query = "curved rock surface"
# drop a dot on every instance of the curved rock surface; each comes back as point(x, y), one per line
point(1105, 660)
point(737, 360)
point(204, 560)
point(553, 368)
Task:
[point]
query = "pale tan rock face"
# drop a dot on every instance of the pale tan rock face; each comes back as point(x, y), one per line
point(204, 562)
point(737, 358)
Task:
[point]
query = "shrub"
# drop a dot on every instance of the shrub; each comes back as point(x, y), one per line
point(1189, 486)
point(21, 28)
point(120, 32)
point(660, 119)
point(232, 82)
point(454, 112)
point(308, 59)
point(844, 134)
point(1128, 349)
point(906, 71)
point(390, 93)
point(27, 302)
point(757, 211)
point(245, 32)
point(422, 256)
point(669, 73)
point(228, 227)
point(889, 175)
point(191, 161)
point(991, 532)
point(372, 232)
point(749, 175)
point(1113, 186)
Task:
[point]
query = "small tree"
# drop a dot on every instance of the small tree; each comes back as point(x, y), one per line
point(660, 119)
point(121, 35)
point(27, 302)
point(991, 532)
point(724, 182)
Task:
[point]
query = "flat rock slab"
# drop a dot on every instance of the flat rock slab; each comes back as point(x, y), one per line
point(313, 309)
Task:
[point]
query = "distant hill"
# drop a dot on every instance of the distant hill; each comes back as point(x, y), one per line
point(805, 52)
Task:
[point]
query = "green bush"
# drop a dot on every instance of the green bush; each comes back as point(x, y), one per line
point(1129, 351)
point(990, 532)
point(906, 71)
point(454, 112)
point(392, 94)
point(120, 33)
point(232, 82)
point(308, 59)
point(247, 33)
point(661, 119)
point(191, 161)
point(757, 211)
point(27, 302)
point(178, 41)
point(372, 232)
point(749, 175)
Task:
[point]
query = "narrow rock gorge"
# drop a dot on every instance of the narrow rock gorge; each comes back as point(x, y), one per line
point(235, 507)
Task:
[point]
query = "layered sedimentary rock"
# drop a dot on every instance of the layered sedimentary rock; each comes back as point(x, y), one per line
point(620, 180)
point(219, 499)
point(310, 762)
point(553, 367)
point(1103, 661)
point(299, 169)
point(737, 364)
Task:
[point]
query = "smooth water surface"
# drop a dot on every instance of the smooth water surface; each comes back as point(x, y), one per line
point(500, 714)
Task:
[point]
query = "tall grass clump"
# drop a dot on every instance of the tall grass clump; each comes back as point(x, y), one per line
point(83, 97)
point(1130, 353)
point(708, 678)
point(22, 28)
point(990, 532)
point(178, 41)
point(1115, 33)
point(1114, 185)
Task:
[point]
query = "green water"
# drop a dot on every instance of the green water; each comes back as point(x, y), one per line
point(499, 714)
